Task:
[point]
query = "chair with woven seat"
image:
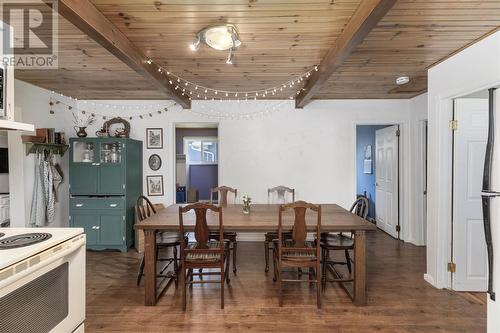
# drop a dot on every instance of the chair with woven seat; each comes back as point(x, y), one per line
point(144, 209)
point(222, 199)
point(204, 252)
point(297, 252)
point(277, 194)
point(341, 242)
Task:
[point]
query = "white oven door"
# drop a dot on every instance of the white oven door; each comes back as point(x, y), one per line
point(46, 292)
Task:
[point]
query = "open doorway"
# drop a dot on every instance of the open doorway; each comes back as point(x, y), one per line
point(196, 156)
point(377, 174)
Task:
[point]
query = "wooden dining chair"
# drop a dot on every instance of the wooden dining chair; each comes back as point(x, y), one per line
point(144, 209)
point(222, 199)
point(277, 194)
point(204, 252)
point(297, 252)
point(341, 242)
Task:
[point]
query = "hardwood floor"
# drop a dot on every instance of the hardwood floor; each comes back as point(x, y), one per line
point(399, 300)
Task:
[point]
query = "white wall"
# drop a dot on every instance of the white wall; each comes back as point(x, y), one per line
point(32, 104)
point(311, 149)
point(473, 69)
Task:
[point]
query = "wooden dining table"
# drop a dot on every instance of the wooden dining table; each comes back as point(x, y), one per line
point(262, 218)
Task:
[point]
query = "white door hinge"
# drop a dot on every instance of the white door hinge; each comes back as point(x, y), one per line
point(398, 132)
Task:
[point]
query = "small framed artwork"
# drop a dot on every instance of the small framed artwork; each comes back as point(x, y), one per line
point(154, 138)
point(154, 162)
point(155, 185)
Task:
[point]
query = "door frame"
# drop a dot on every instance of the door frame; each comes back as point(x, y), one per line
point(441, 180)
point(403, 182)
point(172, 147)
point(187, 138)
point(423, 184)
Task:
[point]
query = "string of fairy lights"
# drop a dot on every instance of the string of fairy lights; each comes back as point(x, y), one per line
point(83, 108)
point(89, 107)
point(199, 91)
point(211, 112)
point(196, 92)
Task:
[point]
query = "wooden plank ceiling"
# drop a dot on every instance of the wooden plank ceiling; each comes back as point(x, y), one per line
point(280, 38)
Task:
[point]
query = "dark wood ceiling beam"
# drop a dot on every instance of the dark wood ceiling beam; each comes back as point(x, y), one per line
point(364, 19)
point(85, 16)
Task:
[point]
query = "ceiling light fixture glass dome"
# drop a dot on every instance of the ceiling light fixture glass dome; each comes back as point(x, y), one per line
point(221, 38)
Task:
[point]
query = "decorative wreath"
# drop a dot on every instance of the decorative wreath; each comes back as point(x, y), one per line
point(124, 133)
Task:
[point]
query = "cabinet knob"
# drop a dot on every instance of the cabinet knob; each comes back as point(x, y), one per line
point(79, 205)
point(113, 205)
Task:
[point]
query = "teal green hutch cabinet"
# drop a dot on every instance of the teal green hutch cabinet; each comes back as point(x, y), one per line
point(105, 181)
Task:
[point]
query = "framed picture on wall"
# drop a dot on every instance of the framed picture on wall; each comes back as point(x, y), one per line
point(154, 162)
point(155, 185)
point(154, 138)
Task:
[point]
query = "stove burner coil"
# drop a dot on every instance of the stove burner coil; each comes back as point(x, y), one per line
point(23, 240)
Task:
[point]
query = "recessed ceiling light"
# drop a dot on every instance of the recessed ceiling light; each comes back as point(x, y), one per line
point(402, 80)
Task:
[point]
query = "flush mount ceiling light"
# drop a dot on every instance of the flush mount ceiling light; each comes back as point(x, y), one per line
point(402, 80)
point(221, 37)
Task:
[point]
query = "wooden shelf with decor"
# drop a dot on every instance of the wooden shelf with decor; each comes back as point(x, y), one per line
point(54, 148)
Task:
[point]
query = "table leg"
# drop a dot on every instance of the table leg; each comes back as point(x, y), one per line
point(150, 267)
point(359, 268)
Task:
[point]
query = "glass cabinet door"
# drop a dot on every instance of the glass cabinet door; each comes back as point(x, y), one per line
point(84, 152)
point(111, 152)
point(111, 168)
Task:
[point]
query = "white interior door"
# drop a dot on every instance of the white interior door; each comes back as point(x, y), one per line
point(386, 180)
point(469, 247)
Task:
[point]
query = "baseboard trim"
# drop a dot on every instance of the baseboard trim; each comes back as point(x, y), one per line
point(429, 279)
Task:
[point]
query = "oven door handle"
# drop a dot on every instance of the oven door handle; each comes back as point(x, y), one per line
point(67, 248)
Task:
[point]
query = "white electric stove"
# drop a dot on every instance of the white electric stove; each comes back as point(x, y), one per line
point(42, 279)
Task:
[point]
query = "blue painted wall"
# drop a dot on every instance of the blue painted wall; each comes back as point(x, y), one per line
point(203, 178)
point(365, 183)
